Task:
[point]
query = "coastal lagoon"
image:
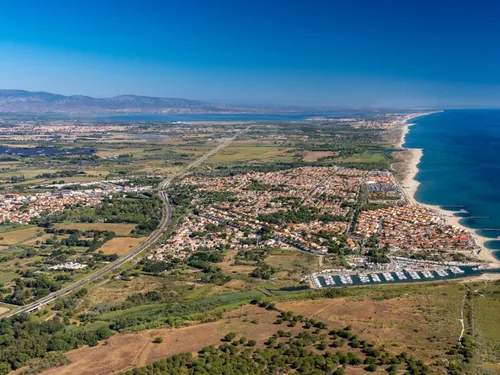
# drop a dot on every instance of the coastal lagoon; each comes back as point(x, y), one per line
point(460, 167)
point(244, 117)
point(38, 151)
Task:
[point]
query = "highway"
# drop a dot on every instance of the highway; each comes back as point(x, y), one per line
point(166, 218)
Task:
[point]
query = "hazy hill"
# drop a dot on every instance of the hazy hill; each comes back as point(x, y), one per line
point(43, 102)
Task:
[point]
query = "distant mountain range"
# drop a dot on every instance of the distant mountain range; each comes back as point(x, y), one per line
point(43, 102)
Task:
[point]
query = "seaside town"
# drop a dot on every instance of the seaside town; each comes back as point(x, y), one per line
point(412, 227)
point(355, 219)
point(332, 211)
point(22, 208)
point(22, 130)
point(321, 210)
point(384, 121)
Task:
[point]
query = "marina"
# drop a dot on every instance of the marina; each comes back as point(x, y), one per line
point(401, 276)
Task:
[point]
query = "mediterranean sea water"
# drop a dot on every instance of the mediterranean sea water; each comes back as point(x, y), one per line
point(460, 167)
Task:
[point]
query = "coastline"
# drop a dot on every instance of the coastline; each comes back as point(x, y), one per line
point(409, 184)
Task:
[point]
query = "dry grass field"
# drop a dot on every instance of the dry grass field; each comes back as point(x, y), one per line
point(119, 229)
point(19, 236)
point(315, 155)
point(228, 264)
point(486, 304)
point(291, 258)
point(423, 322)
point(116, 291)
point(42, 237)
point(129, 350)
point(291, 265)
point(425, 325)
point(3, 310)
point(120, 245)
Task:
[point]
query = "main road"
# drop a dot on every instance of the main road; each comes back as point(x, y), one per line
point(155, 236)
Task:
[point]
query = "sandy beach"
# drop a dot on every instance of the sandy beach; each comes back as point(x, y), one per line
point(411, 158)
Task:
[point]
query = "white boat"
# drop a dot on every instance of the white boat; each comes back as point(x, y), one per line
point(400, 275)
point(316, 282)
point(428, 274)
point(414, 275)
point(363, 278)
point(456, 270)
point(375, 278)
point(329, 280)
point(345, 279)
point(442, 273)
point(388, 276)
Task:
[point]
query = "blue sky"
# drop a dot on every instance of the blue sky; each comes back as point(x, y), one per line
point(380, 53)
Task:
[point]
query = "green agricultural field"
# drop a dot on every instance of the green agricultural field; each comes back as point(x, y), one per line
point(135, 151)
point(120, 229)
point(7, 276)
point(232, 154)
point(11, 227)
point(365, 157)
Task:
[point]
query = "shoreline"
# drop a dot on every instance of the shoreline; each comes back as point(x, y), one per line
point(410, 185)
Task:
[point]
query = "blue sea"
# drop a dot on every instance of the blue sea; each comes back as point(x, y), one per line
point(460, 166)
